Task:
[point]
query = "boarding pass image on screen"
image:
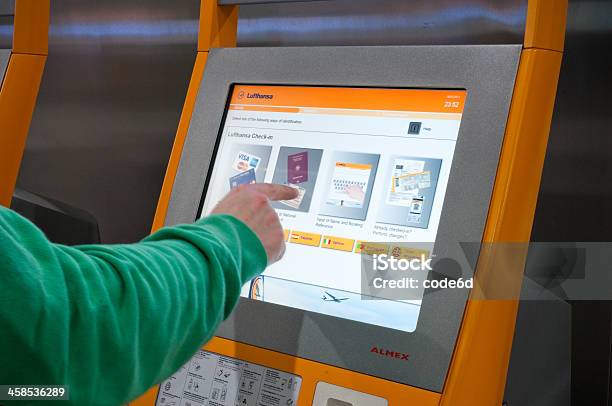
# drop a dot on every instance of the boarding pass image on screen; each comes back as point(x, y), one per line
point(411, 190)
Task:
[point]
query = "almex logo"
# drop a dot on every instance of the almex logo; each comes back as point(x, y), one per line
point(390, 354)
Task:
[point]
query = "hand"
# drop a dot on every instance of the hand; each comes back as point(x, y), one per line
point(251, 204)
point(355, 193)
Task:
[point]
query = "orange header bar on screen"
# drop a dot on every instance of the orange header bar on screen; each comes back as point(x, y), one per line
point(353, 165)
point(268, 108)
point(422, 100)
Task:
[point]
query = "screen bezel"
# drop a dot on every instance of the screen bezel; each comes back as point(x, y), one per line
point(486, 72)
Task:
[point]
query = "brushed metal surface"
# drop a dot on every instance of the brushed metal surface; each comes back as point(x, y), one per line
point(229, 2)
point(6, 32)
point(7, 12)
point(5, 55)
point(575, 201)
point(383, 22)
point(7, 7)
point(117, 75)
point(109, 105)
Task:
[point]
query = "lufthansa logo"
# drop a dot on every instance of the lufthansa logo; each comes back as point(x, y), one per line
point(259, 96)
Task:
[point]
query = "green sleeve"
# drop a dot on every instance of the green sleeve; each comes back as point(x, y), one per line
point(111, 321)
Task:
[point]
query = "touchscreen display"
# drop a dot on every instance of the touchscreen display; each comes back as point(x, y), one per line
point(370, 165)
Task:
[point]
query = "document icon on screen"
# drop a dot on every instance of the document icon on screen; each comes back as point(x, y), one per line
point(407, 178)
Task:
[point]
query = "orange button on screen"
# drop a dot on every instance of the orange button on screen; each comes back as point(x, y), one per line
point(337, 243)
point(298, 237)
point(371, 248)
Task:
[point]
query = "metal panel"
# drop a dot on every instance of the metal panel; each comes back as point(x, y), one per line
point(6, 31)
point(7, 13)
point(229, 2)
point(488, 74)
point(5, 55)
point(109, 105)
point(7, 7)
point(383, 22)
point(117, 75)
point(575, 201)
point(541, 355)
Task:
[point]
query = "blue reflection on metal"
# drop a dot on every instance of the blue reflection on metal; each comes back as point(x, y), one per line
point(6, 30)
point(166, 28)
point(514, 17)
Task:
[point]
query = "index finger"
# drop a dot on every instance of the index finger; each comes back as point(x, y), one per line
point(276, 192)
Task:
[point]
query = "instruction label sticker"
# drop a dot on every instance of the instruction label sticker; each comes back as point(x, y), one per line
point(210, 379)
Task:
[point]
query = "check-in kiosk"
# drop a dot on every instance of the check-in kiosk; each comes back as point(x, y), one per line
point(386, 146)
point(21, 70)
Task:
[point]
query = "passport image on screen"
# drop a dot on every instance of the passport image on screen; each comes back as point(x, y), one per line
point(297, 168)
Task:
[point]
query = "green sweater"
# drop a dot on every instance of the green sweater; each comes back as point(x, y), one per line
point(112, 321)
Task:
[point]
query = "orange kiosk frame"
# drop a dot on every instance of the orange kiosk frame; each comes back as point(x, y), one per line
point(20, 88)
point(484, 343)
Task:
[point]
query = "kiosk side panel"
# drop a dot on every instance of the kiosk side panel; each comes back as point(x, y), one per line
point(20, 87)
point(17, 100)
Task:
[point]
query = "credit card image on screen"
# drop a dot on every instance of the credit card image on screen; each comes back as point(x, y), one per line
point(371, 166)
